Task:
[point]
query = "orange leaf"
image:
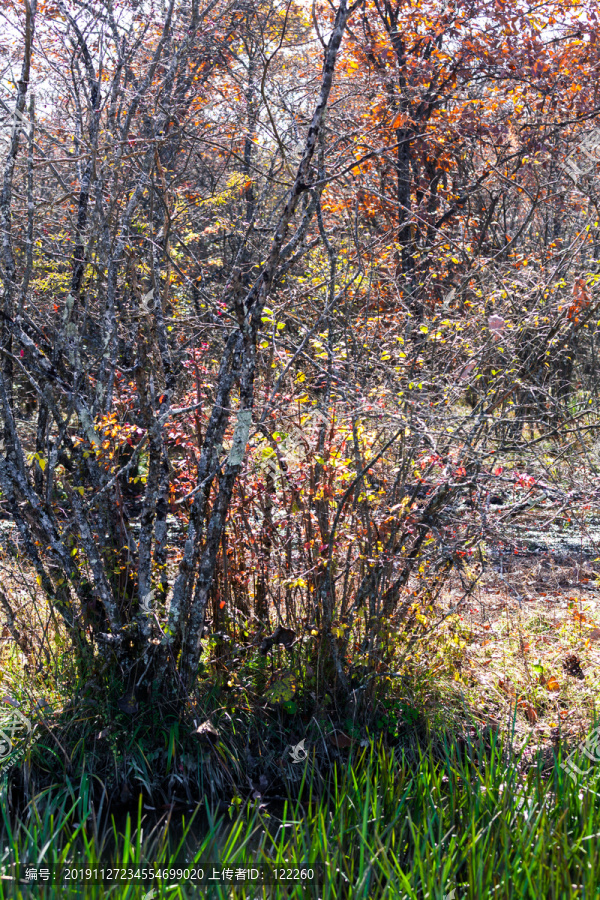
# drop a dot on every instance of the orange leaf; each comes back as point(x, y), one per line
point(507, 687)
point(552, 684)
point(529, 711)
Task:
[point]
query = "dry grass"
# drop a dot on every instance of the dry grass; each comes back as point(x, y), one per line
point(528, 638)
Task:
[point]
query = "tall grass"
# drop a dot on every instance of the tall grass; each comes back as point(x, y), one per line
point(465, 818)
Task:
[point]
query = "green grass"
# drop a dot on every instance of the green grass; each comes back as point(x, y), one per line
point(421, 824)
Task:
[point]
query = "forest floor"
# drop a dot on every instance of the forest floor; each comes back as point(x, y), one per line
point(525, 650)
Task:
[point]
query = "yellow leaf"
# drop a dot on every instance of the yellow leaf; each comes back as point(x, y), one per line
point(282, 690)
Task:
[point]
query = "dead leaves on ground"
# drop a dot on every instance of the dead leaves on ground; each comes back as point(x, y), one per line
point(572, 666)
point(529, 711)
point(541, 660)
point(551, 684)
point(509, 689)
point(506, 687)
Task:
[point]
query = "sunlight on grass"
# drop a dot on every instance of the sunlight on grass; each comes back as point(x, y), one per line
point(470, 818)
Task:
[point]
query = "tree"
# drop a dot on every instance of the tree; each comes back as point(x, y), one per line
point(91, 335)
point(195, 214)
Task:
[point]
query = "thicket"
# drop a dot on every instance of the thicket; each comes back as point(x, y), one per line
point(299, 318)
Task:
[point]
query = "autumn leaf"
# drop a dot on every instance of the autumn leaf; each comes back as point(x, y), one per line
point(507, 687)
point(572, 666)
point(282, 689)
point(529, 711)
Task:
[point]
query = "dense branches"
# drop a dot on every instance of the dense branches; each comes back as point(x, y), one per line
point(387, 236)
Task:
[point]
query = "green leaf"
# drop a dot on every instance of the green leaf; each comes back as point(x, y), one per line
point(282, 689)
